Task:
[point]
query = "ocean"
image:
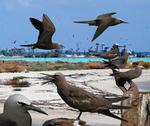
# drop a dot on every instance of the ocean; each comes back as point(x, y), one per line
point(69, 59)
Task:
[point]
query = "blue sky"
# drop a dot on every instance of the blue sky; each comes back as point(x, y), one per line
point(15, 24)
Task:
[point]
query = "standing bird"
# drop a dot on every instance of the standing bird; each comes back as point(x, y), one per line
point(83, 100)
point(103, 22)
point(122, 77)
point(16, 113)
point(130, 74)
point(46, 30)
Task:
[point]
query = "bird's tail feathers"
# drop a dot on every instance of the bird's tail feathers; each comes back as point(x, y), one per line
point(110, 65)
point(92, 22)
point(113, 100)
point(108, 113)
point(119, 107)
point(29, 45)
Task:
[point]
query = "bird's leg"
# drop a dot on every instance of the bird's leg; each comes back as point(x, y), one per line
point(123, 88)
point(78, 118)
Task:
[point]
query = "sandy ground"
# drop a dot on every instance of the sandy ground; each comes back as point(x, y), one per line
point(45, 96)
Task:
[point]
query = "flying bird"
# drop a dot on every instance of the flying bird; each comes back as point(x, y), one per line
point(16, 113)
point(102, 22)
point(83, 100)
point(46, 30)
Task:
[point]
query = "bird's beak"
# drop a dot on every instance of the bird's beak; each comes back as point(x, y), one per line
point(34, 108)
point(124, 22)
point(31, 107)
point(48, 78)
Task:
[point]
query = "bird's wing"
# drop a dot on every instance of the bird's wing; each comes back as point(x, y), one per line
point(48, 30)
point(48, 24)
point(101, 28)
point(133, 73)
point(37, 24)
point(7, 123)
point(90, 22)
point(28, 45)
point(86, 101)
point(124, 75)
point(107, 14)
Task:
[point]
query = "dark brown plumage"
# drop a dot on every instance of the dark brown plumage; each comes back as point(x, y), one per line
point(46, 30)
point(7, 123)
point(83, 100)
point(121, 61)
point(110, 55)
point(122, 77)
point(103, 22)
point(110, 65)
point(129, 75)
point(107, 55)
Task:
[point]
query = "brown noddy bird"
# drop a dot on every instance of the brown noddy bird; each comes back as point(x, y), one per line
point(46, 30)
point(103, 22)
point(83, 100)
point(111, 66)
point(122, 77)
point(110, 55)
point(107, 55)
point(120, 82)
point(16, 113)
point(130, 74)
point(121, 61)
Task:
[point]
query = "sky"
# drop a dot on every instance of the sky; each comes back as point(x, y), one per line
point(15, 24)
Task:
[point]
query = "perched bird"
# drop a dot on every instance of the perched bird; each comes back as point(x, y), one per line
point(122, 77)
point(46, 30)
point(103, 22)
point(130, 74)
point(111, 66)
point(120, 82)
point(121, 61)
point(110, 55)
point(16, 113)
point(115, 48)
point(83, 100)
point(107, 55)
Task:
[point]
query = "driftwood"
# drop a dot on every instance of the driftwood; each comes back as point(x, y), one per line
point(144, 109)
point(131, 114)
point(139, 114)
